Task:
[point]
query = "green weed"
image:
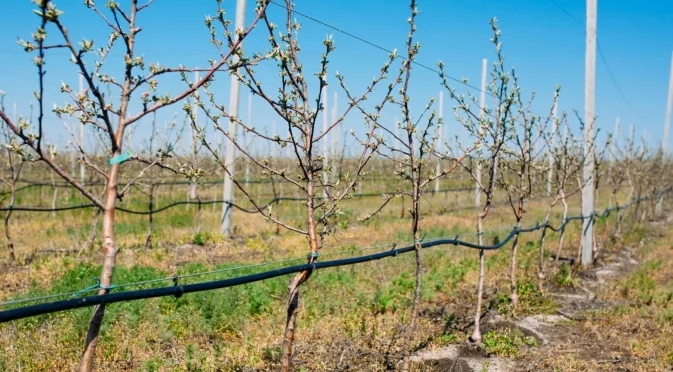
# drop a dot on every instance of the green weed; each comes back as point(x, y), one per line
point(506, 343)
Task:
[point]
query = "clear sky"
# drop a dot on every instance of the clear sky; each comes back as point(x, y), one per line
point(542, 41)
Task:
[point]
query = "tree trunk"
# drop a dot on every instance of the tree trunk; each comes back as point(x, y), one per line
point(476, 333)
point(110, 255)
point(300, 278)
point(419, 283)
point(292, 310)
point(618, 223)
point(92, 236)
point(148, 240)
point(53, 203)
point(540, 271)
point(513, 296)
point(53, 200)
point(563, 229)
point(198, 216)
point(12, 199)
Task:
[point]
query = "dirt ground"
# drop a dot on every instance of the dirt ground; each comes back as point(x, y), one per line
point(598, 325)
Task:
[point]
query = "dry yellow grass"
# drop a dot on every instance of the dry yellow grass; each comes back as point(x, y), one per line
point(349, 316)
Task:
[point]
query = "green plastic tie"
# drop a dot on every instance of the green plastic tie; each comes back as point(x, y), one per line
point(88, 289)
point(313, 255)
point(94, 287)
point(421, 239)
point(127, 155)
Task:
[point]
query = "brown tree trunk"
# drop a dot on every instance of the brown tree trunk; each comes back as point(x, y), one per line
point(563, 229)
point(53, 200)
point(419, 276)
point(299, 279)
point(92, 236)
point(16, 171)
point(148, 240)
point(198, 215)
point(540, 270)
point(514, 296)
point(291, 322)
point(618, 223)
point(110, 255)
point(10, 243)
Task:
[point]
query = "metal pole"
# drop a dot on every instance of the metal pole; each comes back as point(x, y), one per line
point(667, 130)
point(482, 111)
point(589, 161)
point(228, 187)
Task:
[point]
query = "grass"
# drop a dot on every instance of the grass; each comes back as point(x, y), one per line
point(506, 342)
point(630, 332)
point(350, 312)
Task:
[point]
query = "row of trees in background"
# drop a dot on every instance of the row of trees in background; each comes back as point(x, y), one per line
point(522, 154)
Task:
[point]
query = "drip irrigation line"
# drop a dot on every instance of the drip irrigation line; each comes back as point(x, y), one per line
point(184, 276)
point(178, 290)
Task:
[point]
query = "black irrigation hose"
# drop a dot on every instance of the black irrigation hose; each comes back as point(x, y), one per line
point(187, 202)
point(179, 290)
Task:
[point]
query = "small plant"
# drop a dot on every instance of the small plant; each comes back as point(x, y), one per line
point(449, 338)
point(200, 238)
point(565, 278)
point(272, 354)
point(506, 343)
point(531, 300)
point(669, 359)
point(641, 284)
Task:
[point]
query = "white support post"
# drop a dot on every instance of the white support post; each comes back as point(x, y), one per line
point(589, 160)
point(552, 144)
point(82, 168)
point(667, 130)
point(439, 139)
point(228, 187)
point(482, 111)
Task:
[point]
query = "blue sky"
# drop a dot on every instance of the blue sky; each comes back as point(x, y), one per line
point(543, 43)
